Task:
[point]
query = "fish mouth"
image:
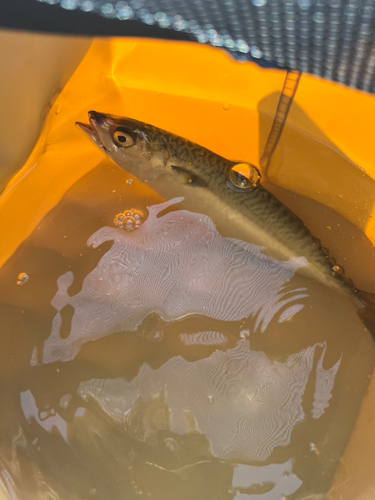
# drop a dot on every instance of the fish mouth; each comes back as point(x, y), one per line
point(96, 120)
point(90, 131)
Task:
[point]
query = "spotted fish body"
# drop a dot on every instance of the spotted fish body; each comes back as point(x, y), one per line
point(174, 166)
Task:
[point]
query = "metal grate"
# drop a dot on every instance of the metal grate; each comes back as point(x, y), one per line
point(333, 39)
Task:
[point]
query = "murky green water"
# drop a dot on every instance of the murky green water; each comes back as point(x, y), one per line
point(171, 361)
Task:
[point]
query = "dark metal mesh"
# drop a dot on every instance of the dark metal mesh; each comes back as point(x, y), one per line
point(333, 39)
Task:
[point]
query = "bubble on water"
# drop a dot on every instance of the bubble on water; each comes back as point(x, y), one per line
point(226, 106)
point(336, 269)
point(22, 278)
point(210, 399)
point(129, 224)
point(243, 176)
point(312, 447)
point(129, 220)
point(245, 334)
point(138, 217)
point(118, 220)
point(129, 182)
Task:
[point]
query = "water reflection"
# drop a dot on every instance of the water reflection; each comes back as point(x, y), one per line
point(231, 407)
point(254, 408)
point(174, 265)
point(48, 419)
point(180, 363)
point(279, 476)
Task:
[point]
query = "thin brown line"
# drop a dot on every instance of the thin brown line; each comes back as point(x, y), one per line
point(291, 82)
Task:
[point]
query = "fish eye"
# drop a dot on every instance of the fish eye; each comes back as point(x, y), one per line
point(243, 176)
point(122, 138)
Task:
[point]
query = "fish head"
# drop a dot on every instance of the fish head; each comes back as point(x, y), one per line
point(146, 151)
point(137, 147)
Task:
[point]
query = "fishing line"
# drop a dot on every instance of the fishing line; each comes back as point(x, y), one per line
point(291, 82)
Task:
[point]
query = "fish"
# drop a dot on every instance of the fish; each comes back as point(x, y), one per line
point(228, 191)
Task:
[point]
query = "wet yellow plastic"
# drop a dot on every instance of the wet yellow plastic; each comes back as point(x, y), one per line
point(202, 94)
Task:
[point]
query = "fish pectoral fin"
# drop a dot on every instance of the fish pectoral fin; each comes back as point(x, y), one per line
point(187, 177)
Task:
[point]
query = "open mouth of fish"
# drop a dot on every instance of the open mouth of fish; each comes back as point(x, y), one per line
point(90, 130)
